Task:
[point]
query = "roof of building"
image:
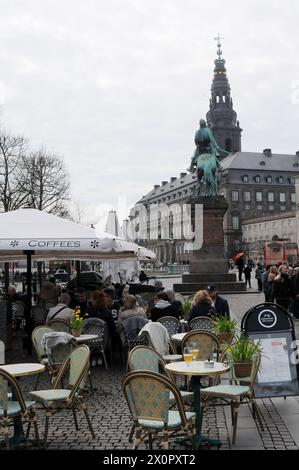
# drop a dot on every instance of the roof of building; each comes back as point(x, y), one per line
point(259, 161)
point(237, 161)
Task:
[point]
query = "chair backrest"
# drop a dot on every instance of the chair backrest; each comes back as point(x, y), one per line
point(207, 343)
point(172, 324)
point(60, 325)
point(36, 336)
point(131, 328)
point(60, 352)
point(78, 363)
point(39, 314)
point(7, 381)
point(148, 396)
point(18, 314)
point(145, 358)
point(158, 337)
point(96, 326)
point(202, 323)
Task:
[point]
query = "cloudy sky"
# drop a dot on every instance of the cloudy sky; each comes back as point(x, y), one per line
point(117, 87)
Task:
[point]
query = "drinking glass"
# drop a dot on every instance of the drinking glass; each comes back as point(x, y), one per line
point(188, 356)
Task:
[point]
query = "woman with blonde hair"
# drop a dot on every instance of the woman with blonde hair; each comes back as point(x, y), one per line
point(201, 305)
point(131, 309)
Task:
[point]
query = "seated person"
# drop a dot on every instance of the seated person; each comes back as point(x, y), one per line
point(218, 303)
point(175, 303)
point(113, 304)
point(61, 311)
point(131, 309)
point(99, 309)
point(163, 307)
point(201, 305)
point(80, 300)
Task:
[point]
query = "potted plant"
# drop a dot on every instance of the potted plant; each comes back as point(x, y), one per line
point(187, 304)
point(241, 354)
point(76, 322)
point(225, 328)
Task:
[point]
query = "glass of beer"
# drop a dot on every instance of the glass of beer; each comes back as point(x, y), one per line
point(188, 355)
point(195, 351)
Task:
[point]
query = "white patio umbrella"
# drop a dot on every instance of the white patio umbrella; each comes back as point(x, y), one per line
point(47, 236)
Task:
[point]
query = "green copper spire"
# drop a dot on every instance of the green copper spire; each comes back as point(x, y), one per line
point(219, 61)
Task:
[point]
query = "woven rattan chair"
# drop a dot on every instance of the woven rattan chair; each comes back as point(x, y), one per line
point(42, 357)
point(15, 407)
point(235, 393)
point(148, 396)
point(96, 326)
point(202, 323)
point(70, 398)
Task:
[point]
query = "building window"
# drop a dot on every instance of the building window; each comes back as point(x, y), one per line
point(236, 223)
point(247, 207)
point(245, 178)
point(269, 179)
point(293, 198)
point(259, 196)
point(282, 197)
point(280, 179)
point(257, 179)
point(228, 143)
point(235, 196)
point(282, 208)
point(247, 196)
point(270, 196)
point(259, 207)
point(271, 207)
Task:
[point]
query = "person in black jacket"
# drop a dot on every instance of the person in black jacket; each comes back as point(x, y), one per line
point(282, 288)
point(163, 308)
point(99, 309)
point(202, 305)
point(218, 303)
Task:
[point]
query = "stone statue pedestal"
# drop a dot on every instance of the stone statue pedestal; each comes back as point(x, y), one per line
point(208, 265)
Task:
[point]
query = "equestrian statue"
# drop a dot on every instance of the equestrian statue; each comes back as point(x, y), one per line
point(204, 160)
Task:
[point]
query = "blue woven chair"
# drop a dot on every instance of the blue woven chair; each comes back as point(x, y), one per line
point(57, 399)
point(148, 397)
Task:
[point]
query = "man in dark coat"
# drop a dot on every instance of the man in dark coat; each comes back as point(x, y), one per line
point(219, 303)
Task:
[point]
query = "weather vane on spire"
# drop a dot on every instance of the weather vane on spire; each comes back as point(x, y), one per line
point(219, 52)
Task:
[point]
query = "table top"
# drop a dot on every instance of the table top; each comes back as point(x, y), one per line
point(83, 338)
point(196, 368)
point(178, 337)
point(20, 370)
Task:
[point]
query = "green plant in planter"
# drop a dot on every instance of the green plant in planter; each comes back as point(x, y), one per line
point(187, 304)
point(223, 324)
point(243, 351)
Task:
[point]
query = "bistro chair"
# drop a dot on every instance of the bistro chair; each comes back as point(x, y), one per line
point(96, 326)
point(202, 323)
point(237, 392)
point(173, 326)
point(158, 339)
point(148, 397)
point(145, 358)
point(57, 399)
point(36, 337)
point(60, 325)
point(13, 406)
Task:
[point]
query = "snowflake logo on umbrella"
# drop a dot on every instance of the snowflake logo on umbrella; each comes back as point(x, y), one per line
point(94, 244)
point(14, 243)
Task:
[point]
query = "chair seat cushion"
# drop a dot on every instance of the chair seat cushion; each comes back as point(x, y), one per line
point(174, 421)
point(184, 394)
point(172, 357)
point(13, 407)
point(47, 396)
point(228, 391)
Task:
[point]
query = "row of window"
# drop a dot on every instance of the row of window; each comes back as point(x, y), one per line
point(259, 196)
point(268, 179)
point(267, 225)
point(290, 236)
point(171, 196)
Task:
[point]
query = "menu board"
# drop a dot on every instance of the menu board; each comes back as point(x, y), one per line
point(277, 375)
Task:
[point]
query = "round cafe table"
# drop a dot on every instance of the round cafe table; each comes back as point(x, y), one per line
point(198, 369)
point(21, 370)
point(85, 338)
point(178, 337)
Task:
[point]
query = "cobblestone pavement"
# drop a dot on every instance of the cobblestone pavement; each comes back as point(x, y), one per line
point(112, 423)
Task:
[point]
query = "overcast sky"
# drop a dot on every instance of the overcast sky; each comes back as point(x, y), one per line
point(117, 87)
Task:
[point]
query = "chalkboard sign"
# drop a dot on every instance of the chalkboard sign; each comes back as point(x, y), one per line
point(271, 326)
